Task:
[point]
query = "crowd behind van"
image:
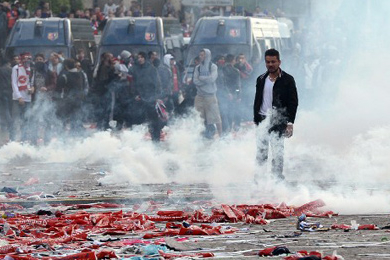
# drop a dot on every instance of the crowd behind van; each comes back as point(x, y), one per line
point(133, 54)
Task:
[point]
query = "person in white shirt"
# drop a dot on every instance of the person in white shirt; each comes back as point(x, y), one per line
point(276, 100)
point(110, 7)
point(22, 91)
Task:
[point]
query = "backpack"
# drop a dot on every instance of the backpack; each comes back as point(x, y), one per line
point(161, 110)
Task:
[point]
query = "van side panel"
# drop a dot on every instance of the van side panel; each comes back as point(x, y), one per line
point(49, 35)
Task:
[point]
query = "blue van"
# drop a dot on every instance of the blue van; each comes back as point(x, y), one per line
point(144, 34)
point(48, 35)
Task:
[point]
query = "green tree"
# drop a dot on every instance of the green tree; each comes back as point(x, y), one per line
point(76, 4)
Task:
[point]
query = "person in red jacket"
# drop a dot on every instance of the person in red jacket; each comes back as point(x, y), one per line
point(12, 16)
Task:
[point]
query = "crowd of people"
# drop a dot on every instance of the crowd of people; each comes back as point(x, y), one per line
point(43, 97)
point(10, 12)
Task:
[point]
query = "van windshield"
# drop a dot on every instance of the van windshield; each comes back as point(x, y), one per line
point(122, 32)
point(172, 27)
point(38, 33)
point(223, 31)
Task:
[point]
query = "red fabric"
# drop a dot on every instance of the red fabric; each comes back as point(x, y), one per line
point(12, 16)
point(83, 256)
point(229, 213)
point(309, 207)
point(175, 79)
point(267, 251)
point(368, 227)
point(171, 213)
point(341, 226)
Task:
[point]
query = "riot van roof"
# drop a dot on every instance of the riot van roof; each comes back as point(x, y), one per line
point(51, 35)
point(141, 34)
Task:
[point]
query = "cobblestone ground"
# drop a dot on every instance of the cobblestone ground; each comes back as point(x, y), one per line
point(71, 184)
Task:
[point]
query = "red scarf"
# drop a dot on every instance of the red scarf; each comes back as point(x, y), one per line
point(175, 79)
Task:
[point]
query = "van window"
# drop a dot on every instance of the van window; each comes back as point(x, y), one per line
point(225, 31)
point(122, 32)
point(172, 27)
point(45, 33)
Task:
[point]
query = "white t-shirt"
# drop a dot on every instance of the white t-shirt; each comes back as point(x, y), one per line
point(108, 8)
point(20, 84)
point(266, 106)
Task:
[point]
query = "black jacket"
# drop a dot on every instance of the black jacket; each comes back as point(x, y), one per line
point(5, 82)
point(147, 82)
point(71, 85)
point(233, 80)
point(285, 98)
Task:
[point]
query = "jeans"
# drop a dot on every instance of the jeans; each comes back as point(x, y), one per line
point(6, 114)
point(20, 115)
point(275, 140)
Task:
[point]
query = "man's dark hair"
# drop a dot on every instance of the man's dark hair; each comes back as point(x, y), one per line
point(69, 64)
point(40, 55)
point(196, 60)
point(229, 58)
point(272, 52)
point(150, 53)
point(81, 50)
point(142, 54)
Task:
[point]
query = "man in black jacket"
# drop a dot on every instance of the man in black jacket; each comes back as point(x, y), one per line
point(276, 100)
point(6, 122)
point(71, 90)
point(148, 90)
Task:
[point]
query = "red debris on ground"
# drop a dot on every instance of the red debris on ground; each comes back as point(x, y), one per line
point(303, 254)
point(24, 232)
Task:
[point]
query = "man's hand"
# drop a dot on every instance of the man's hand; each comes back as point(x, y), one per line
point(21, 101)
point(289, 130)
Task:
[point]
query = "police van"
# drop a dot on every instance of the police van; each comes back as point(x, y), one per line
point(48, 35)
point(136, 34)
point(233, 35)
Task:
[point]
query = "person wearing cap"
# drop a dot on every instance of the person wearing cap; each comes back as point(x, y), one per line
point(22, 91)
point(126, 58)
point(119, 96)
